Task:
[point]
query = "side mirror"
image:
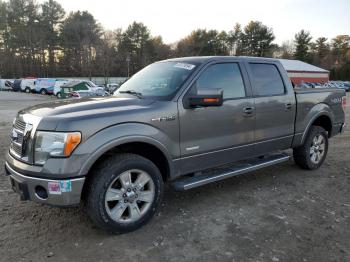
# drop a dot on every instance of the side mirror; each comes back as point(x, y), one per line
point(205, 98)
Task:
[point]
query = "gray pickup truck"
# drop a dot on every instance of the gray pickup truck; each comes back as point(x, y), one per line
point(185, 121)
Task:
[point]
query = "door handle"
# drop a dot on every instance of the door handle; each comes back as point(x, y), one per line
point(248, 111)
point(288, 106)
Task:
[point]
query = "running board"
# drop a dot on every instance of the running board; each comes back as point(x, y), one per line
point(218, 174)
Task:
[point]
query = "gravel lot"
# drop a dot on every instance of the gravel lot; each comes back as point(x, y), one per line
point(281, 213)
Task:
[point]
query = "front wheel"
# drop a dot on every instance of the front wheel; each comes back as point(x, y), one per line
point(124, 193)
point(313, 152)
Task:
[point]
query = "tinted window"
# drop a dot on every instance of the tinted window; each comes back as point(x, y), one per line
point(224, 76)
point(267, 80)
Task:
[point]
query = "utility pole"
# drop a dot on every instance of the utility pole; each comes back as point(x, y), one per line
point(128, 64)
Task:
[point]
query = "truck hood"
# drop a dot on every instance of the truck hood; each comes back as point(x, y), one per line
point(85, 106)
point(88, 115)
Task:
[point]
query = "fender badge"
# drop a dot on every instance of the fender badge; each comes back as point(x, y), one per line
point(164, 118)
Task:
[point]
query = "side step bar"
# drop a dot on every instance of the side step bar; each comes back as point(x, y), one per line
point(210, 176)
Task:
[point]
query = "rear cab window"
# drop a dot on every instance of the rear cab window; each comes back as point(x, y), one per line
point(266, 80)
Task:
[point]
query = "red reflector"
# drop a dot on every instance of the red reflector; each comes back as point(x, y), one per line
point(210, 100)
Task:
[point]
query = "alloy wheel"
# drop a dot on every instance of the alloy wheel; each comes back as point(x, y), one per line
point(129, 196)
point(317, 149)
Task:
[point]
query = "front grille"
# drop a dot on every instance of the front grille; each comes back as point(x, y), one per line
point(19, 125)
point(17, 142)
point(16, 149)
point(19, 138)
point(22, 134)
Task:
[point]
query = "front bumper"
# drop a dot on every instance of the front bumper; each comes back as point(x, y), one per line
point(66, 192)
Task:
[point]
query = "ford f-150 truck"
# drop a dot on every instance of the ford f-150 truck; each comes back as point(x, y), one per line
point(185, 121)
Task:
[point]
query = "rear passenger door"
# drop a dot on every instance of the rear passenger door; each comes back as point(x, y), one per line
point(274, 108)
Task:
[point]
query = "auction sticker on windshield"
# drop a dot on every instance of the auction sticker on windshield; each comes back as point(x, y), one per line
point(185, 66)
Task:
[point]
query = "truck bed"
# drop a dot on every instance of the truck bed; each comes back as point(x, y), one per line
point(313, 102)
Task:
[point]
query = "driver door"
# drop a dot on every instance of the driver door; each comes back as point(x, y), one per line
point(210, 136)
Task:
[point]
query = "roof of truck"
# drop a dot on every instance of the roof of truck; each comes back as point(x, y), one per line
point(288, 64)
point(203, 59)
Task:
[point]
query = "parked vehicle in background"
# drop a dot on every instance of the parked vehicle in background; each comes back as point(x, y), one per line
point(319, 85)
point(303, 85)
point(347, 86)
point(310, 85)
point(188, 121)
point(6, 85)
point(16, 87)
point(87, 93)
point(28, 84)
point(44, 86)
point(110, 88)
point(341, 85)
point(330, 84)
point(80, 94)
point(79, 85)
point(101, 92)
point(57, 87)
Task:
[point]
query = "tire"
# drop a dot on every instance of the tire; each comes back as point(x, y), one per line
point(58, 95)
point(27, 90)
point(304, 156)
point(43, 91)
point(117, 212)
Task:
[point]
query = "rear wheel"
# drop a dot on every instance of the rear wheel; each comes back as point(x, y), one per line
point(124, 193)
point(313, 152)
point(58, 95)
point(43, 91)
point(27, 90)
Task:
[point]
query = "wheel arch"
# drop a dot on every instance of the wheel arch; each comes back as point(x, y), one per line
point(144, 146)
point(323, 119)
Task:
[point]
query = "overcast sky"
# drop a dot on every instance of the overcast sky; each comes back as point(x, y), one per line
point(177, 18)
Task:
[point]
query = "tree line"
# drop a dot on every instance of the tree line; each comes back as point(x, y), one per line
point(43, 40)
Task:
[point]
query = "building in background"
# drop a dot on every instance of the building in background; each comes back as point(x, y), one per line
point(300, 72)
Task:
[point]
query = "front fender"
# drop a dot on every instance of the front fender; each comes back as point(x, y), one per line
point(111, 137)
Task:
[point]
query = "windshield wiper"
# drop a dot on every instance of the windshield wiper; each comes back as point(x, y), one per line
point(132, 92)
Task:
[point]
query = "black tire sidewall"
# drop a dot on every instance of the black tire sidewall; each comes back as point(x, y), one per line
point(109, 174)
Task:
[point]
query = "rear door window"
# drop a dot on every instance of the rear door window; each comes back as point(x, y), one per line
point(267, 80)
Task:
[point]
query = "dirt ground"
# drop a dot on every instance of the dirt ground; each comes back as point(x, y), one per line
point(281, 213)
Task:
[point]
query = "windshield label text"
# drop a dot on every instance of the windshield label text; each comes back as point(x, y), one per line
point(184, 66)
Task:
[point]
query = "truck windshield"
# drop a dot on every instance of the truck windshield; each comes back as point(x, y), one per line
point(159, 80)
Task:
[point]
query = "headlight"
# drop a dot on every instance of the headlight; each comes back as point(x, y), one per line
point(54, 144)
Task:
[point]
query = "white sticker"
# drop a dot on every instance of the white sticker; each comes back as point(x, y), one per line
point(185, 66)
point(54, 188)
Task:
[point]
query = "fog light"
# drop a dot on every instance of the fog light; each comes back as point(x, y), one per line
point(41, 192)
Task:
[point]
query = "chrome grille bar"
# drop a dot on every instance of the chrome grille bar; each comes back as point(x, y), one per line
point(24, 127)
